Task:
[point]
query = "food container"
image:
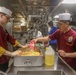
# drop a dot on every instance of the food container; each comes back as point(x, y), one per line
point(29, 60)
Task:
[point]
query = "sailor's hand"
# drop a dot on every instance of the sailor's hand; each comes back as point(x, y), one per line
point(15, 53)
point(62, 53)
point(25, 46)
point(35, 40)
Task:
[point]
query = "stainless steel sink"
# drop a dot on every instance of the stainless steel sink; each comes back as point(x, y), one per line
point(41, 73)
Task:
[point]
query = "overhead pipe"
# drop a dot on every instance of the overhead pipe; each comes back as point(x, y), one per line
point(56, 7)
point(23, 7)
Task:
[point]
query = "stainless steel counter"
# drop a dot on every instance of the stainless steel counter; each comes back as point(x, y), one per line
point(59, 65)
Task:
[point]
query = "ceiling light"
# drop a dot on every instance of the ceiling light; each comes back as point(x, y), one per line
point(69, 2)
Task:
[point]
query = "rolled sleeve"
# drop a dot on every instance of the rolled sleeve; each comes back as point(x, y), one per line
point(16, 43)
point(2, 51)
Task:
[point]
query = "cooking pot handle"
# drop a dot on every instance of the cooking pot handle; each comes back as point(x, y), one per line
point(28, 62)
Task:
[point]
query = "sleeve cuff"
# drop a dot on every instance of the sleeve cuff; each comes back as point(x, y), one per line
point(2, 51)
point(16, 43)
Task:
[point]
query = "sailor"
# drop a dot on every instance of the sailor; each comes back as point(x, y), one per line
point(66, 39)
point(5, 15)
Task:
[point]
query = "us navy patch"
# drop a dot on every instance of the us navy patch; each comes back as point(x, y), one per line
point(70, 39)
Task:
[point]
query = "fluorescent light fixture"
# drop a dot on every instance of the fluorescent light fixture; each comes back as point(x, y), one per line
point(69, 2)
point(56, 16)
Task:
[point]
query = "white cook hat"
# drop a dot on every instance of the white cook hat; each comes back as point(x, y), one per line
point(6, 11)
point(65, 16)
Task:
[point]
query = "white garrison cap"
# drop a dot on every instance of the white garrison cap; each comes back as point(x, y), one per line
point(6, 11)
point(65, 16)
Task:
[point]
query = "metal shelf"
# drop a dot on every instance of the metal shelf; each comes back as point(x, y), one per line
point(19, 32)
